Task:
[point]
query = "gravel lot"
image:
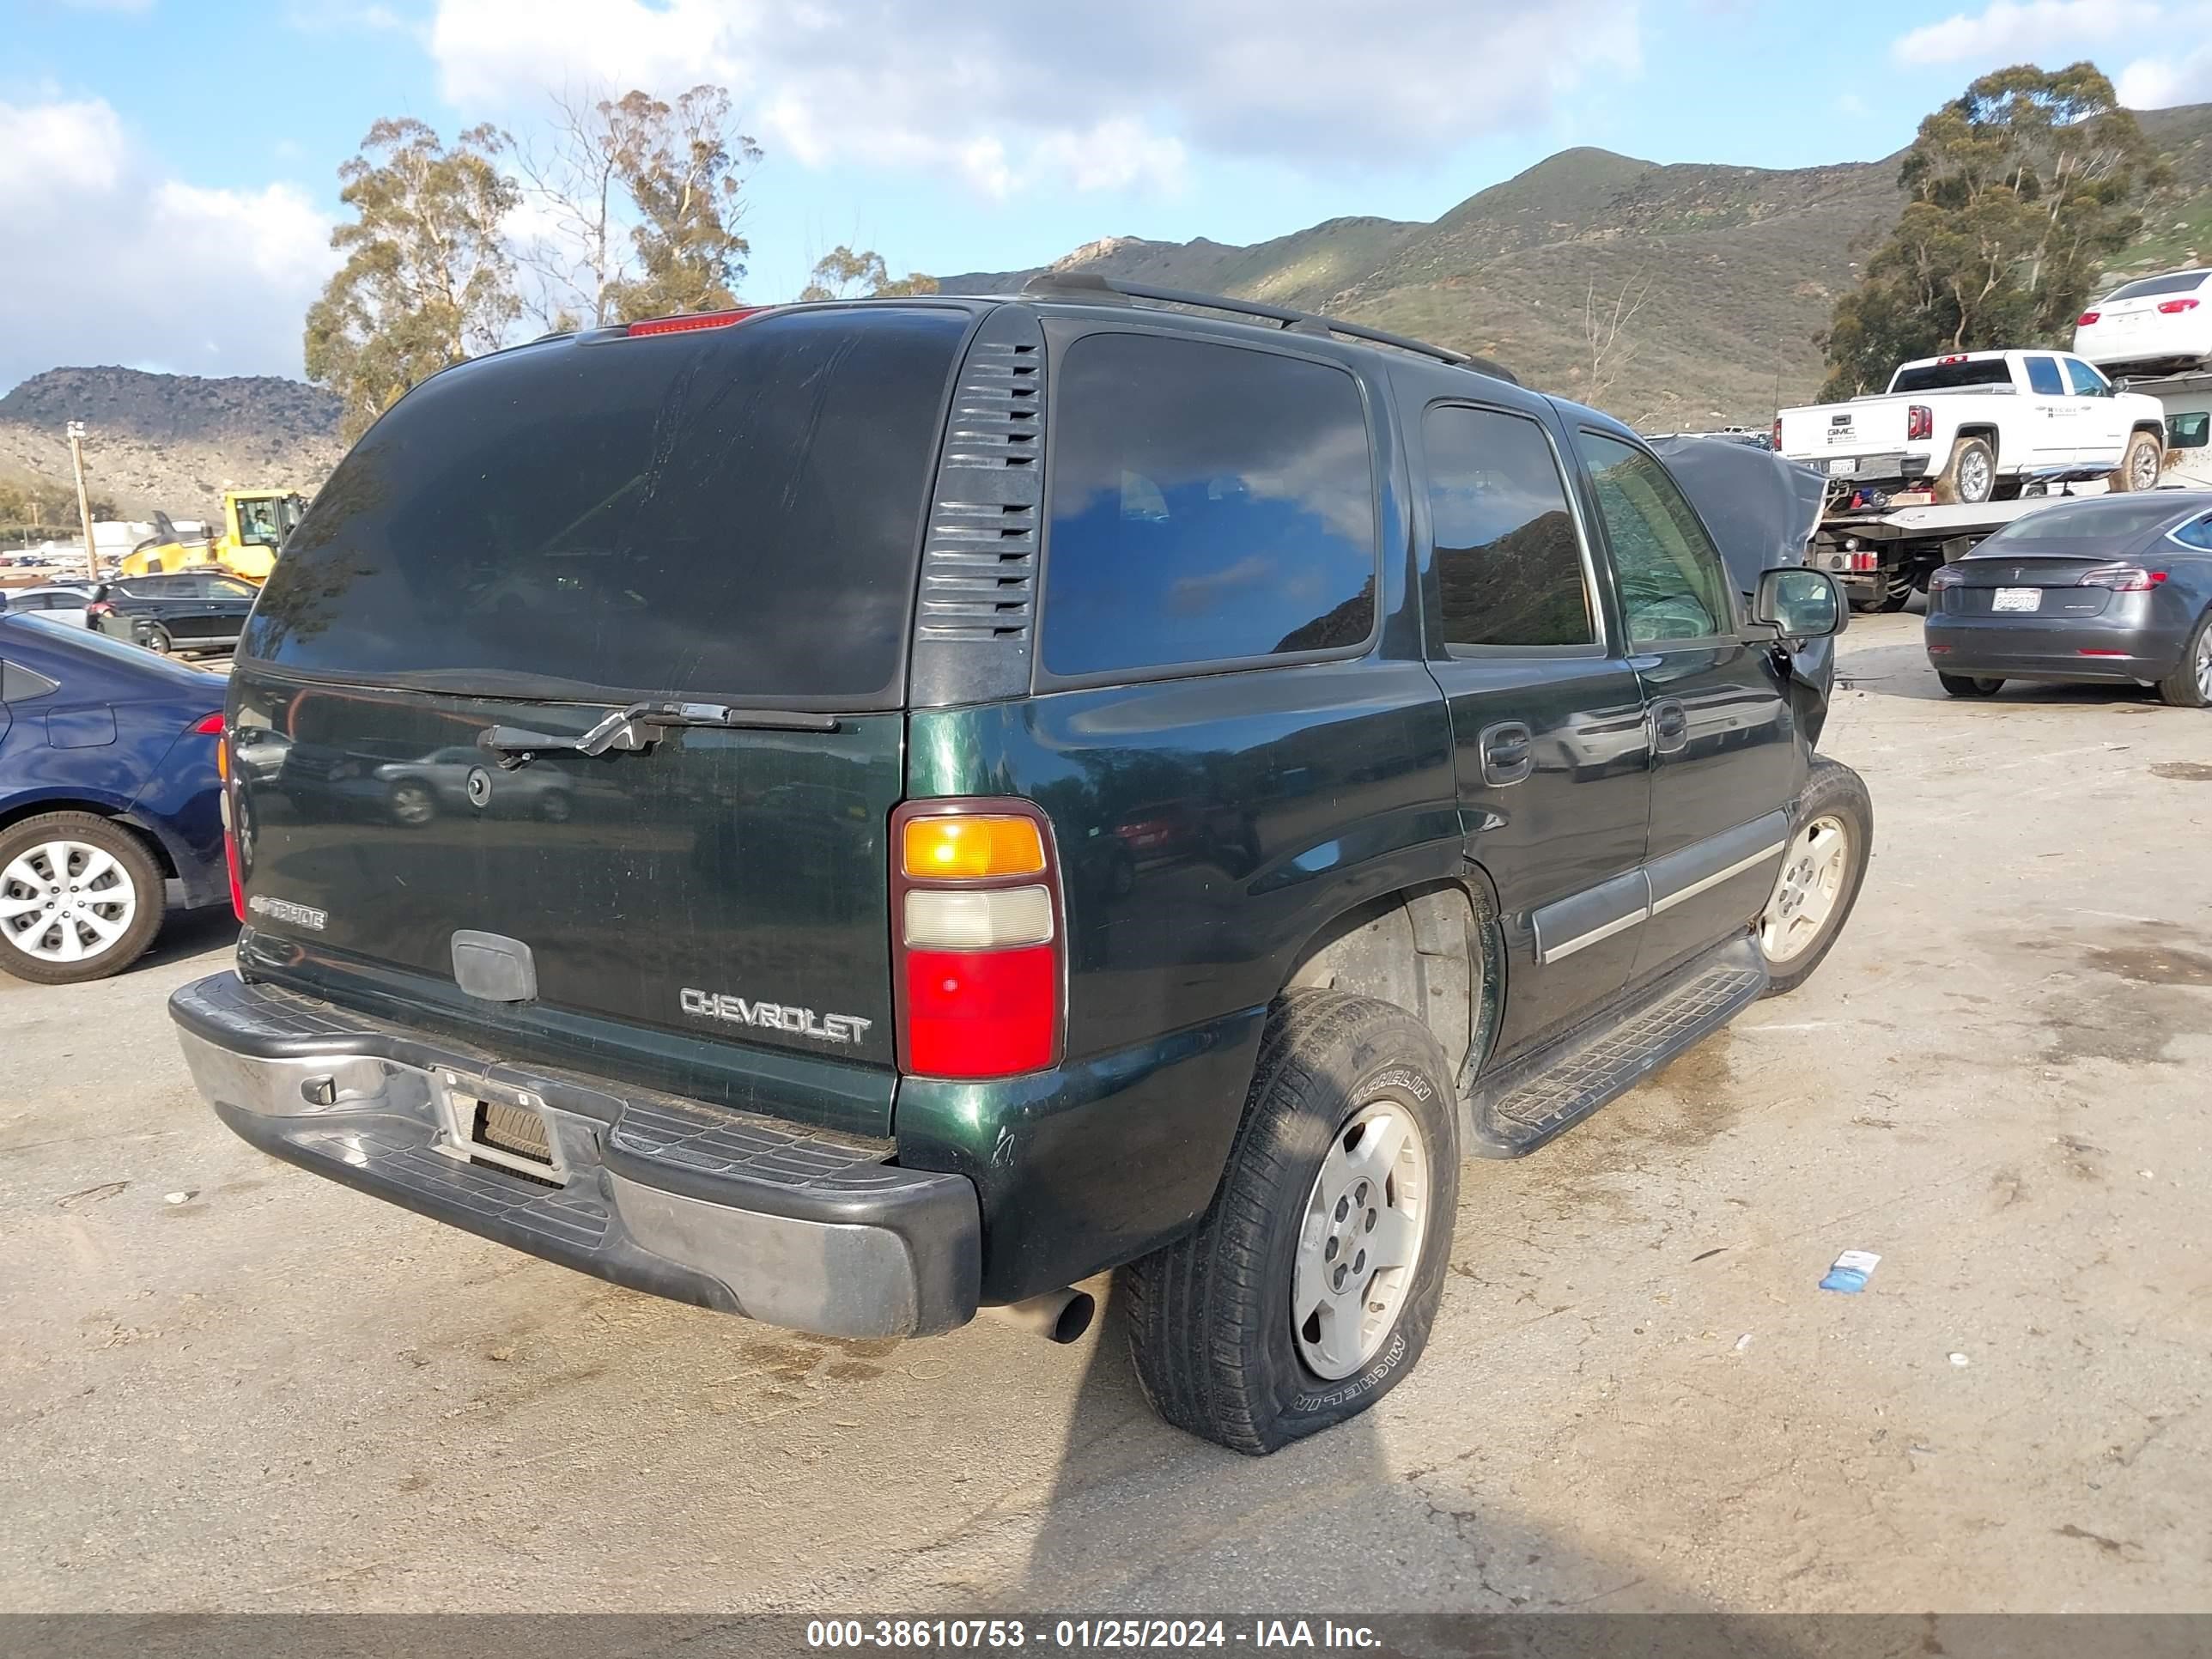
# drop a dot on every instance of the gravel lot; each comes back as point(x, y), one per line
point(228, 1385)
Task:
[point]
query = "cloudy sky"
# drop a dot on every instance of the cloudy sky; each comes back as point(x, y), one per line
point(167, 166)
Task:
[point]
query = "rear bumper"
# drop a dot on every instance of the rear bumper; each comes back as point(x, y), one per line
point(2014, 647)
point(1890, 466)
point(795, 1227)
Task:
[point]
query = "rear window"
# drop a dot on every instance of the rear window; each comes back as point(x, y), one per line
point(1209, 504)
point(732, 513)
point(2179, 282)
point(1948, 377)
point(2099, 518)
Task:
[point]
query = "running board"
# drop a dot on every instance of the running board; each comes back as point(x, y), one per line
point(1522, 1105)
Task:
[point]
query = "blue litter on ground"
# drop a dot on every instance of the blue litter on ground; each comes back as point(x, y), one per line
point(1852, 1270)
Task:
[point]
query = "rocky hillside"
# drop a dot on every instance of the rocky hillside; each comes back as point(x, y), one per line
point(169, 442)
point(1730, 271)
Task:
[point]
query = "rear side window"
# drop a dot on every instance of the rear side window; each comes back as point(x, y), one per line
point(2179, 282)
point(734, 512)
point(2042, 377)
point(1209, 503)
point(2197, 533)
point(1509, 563)
point(23, 684)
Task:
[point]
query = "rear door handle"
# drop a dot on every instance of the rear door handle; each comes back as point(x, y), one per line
point(1670, 727)
point(1509, 752)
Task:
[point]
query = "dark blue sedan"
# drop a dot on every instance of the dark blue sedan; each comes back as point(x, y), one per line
point(108, 788)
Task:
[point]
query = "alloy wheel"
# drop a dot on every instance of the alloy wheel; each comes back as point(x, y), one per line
point(1806, 893)
point(1360, 1244)
point(65, 901)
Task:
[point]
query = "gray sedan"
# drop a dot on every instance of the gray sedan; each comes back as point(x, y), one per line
point(2109, 588)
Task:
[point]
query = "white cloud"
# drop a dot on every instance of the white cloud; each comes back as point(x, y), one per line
point(1080, 97)
point(2163, 47)
point(2028, 31)
point(132, 266)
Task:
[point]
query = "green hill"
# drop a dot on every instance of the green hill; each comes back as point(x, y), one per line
point(1731, 270)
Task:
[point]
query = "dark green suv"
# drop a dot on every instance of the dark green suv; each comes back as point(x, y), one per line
point(1045, 785)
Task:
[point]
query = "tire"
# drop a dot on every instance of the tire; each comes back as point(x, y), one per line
point(1969, 476)
point(2189, 685)
point(1218, 1346)
point(156, 638)
point(33, 947)
point(1834, 796)
point(2139, 465)
point(1967, 685)
point(411, 803)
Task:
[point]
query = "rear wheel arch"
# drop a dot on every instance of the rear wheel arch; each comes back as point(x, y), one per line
point(1988, 435)
point(16, 811)
point(1433, 949)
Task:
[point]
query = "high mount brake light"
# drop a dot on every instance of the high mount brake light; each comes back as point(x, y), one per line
point(980, 949)
point(691, 322)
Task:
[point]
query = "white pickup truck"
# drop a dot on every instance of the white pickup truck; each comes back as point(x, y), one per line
point(1979, 425)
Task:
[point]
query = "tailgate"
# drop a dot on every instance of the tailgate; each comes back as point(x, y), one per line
point(729, 519)
point(2036, 585)
point(1828, 430)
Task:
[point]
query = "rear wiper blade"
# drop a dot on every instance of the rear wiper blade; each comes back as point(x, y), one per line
point(638, 727)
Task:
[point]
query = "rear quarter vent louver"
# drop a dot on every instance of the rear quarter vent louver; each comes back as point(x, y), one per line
point(974, 626)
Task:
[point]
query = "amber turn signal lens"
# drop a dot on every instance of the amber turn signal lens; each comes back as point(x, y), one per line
point(971, 848)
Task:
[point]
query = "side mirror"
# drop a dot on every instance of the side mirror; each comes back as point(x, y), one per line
point(1801, 604)
point(2120, 383)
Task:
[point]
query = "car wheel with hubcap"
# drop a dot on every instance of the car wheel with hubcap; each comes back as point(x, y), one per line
point(1823, 866)
point(156, 638)
point(1969, 476)
point(81, 898)
point(2139, 465)
point(2189, 685)
point(412, 804)
point(1308, 1289)
point(1968, 685)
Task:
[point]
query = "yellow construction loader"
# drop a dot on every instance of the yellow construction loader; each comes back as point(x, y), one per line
point(254, 524)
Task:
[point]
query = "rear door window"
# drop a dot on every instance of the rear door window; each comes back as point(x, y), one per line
point(2043, 378)
point(732, 513)
point(1509, 562)
point(1209, 504)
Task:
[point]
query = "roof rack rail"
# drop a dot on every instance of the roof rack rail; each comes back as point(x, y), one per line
point(1089, 285)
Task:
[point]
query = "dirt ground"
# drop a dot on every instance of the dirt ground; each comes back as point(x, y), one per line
point(229, 1385)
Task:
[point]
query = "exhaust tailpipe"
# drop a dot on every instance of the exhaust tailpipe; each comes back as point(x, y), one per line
point(1057, 1315)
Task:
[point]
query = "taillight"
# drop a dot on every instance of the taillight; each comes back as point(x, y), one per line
point(2087, 318)
point(2121, 577)
point(210, 725)
point(1946, 576)
point(2175, 308)
point(230, 853)
point(1776, 438)
point(976, 903)
point(691, 322)
point(1919, 421)
point(99, 608)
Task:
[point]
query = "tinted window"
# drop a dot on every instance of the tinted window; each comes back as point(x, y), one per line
point(2084, 379)
point(2197, 534)
point(1944, 377)
point(225, 587)
point(1671, 582)
point(1508, 564)
point(734, 513)
point(2179, 282)
point(2043, 378)
point(21, 684)
point(1208, 502)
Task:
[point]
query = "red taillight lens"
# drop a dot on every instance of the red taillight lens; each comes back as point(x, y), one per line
point(99, 608)
point(230, 853)
point(2121, 577)
point(209, 726)
point(2175, 308)
point(2087, 318)
point(1919, 421)
point(1776, 438)
point(1945, 575)
point(975, 900)
point(692, 323)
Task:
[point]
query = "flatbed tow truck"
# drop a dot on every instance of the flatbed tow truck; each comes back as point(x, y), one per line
point(1884, 547)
